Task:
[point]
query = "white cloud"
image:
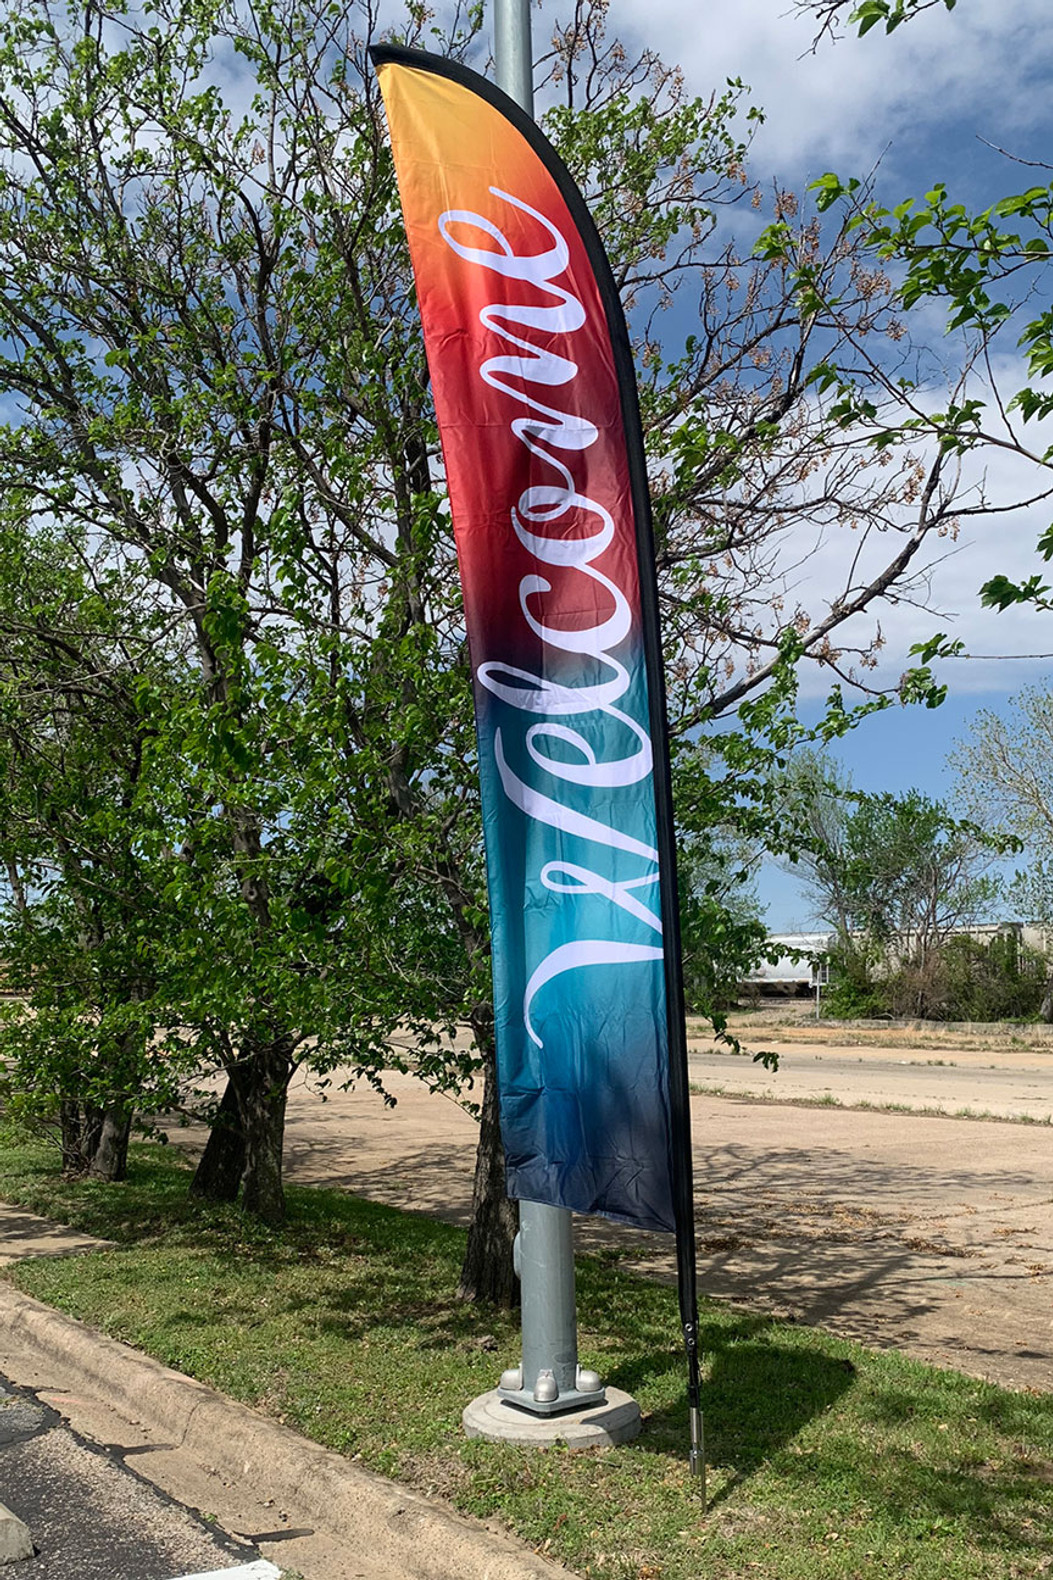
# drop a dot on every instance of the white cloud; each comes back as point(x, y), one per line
point(984, 70)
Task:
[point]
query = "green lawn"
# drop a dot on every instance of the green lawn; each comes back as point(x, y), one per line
point(826, 1460)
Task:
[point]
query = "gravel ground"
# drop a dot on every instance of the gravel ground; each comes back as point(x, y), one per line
point(932, 1235)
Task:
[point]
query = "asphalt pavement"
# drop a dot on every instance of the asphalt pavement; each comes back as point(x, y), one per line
point(91, 1517)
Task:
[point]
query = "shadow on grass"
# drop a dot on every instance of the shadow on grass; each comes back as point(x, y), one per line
point(882, 1448)
point(154, 1201)
point(758, 1395)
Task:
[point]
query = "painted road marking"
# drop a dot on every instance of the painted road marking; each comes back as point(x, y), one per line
point(260, 1570)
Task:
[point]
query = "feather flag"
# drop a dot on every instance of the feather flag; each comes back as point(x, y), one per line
point(537, 409)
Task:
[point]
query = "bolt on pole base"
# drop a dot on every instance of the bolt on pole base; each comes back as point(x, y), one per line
point(561, 1406)
point(536, 1399)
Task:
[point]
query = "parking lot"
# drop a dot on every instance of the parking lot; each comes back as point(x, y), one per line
point(89, 1516)
point(897, 1226)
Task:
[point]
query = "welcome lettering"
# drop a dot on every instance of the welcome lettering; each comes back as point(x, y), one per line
point(540, 508)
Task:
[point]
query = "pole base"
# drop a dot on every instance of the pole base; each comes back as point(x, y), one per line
point(498, 1420)
point(571, 1399)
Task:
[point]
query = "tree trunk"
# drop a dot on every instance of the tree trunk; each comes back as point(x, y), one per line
point(261, 1081)
point(18, 888)
point(110, 1158)
point(1046, 1007)
point(70, 1122)
point(90, 1134)
point(218, 1173)
point(487, 1273)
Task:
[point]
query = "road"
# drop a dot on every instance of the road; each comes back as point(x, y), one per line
point(91, 1517)
point(1009, 1083)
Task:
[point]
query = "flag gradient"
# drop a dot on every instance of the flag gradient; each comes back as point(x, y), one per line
point(536, 405)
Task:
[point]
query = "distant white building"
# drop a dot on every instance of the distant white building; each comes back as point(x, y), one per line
point(798, 975)
point(789, 974)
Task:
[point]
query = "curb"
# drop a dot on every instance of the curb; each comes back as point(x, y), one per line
point(424, 1539)
point(16, 1543)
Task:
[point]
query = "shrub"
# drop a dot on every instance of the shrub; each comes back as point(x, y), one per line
point(854, 991)
point(964, 979)
point(995, 980)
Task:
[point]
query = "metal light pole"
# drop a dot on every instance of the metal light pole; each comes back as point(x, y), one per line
point(549, 1380)
point(513, 55)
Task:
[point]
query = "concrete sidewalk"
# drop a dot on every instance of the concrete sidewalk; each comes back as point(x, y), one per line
point(23, 1234)
point(303, 1507)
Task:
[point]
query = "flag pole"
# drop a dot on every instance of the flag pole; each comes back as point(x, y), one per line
point(513, 52)
point(681, 1169)
point(549, 1376)
point(513, 61)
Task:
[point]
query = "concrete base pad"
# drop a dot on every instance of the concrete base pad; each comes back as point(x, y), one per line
point(15, 1541)
point(493, 1418)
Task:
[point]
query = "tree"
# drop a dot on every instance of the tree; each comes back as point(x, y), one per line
point(989, 268)
point(816, 796)
point(865, 14)
point(1006, 767)
point(894, 876)
point(913, 873)
point(211, 361)
point(182, 386)
point(722, 931)
point(84, 927)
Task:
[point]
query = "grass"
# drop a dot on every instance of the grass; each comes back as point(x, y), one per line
point(828, 1462)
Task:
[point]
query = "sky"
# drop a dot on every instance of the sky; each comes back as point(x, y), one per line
point(918, 99)
point(915, 108)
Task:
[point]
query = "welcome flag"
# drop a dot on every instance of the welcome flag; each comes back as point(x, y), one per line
point(537, 409)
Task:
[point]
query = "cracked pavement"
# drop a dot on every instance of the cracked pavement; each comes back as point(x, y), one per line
point(90, 1516)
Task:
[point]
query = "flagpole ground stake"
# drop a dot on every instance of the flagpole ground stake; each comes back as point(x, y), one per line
point(698, 1454)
